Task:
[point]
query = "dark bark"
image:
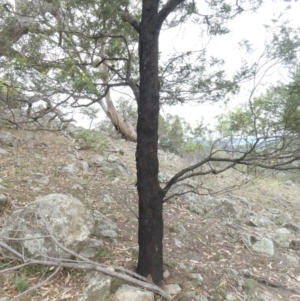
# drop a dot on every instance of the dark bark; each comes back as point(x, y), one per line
point(150, 233)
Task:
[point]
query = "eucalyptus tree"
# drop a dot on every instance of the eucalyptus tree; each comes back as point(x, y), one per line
point(71, 53)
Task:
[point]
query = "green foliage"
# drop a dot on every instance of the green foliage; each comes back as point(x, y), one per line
point(21, 283)
point(276, 112)
point(92, 139)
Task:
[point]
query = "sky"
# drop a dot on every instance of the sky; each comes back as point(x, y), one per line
point(247, 26)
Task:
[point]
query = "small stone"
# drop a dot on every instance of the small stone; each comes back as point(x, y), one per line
point(292, 226)
point(265, 246)
point(3, 152)
point(197, 279)
point(166, 274)
point(3, 199)
point(130, 293)
point(293, 260)
point(295, 245)
point(178, 243)
point(172, 289)
point(109, 233)
point(77, 187)
point(40, 178)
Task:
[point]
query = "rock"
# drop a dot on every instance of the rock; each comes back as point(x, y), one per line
point(40, 178)
point(263, 297)
point(8, 139)
point(2, 187)
point(97, 161)
point(109, 233)
point(91, 248)
point(180, 229)
point(295, 245)
point(196, 209)
point(289, 183)
point(196, 278)
point(257, 221)
point(178, 243)
point(264, 246)
point(131, 293)
point(101, 222)
point(77, 187)
point(117, 164)
point(70, 169)
point(3, 199)
point(293, 260)
point(172, 289)
point(98, 289)
point(166, 274)
point(60, 211)
point(3, 152)
point(282, 240)
point(192, 296)
point(187, 266)
point(292, 226)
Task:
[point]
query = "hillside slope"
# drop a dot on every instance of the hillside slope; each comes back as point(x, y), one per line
point(237, 245)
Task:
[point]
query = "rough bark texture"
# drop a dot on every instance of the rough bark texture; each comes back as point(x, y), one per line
point(150, 233)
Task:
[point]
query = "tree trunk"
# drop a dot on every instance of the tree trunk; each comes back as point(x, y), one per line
point(150, 233)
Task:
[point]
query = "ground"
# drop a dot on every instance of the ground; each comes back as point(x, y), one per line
point(217, 252)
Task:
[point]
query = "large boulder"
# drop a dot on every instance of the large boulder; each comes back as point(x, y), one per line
point(8, 139)
point(64, 216)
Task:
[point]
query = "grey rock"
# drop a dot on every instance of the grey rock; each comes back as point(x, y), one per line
point(131, 293)
point(3, 152)
point(295, 245)
point(282, 240)
point(196, 209)
point(187, 266)
point(2, 187)
point(292, 226)
point(196, 278)
point(109, 233)
point(164, 177)
point(293, 260)
point(98, 289)
point(91, 247)
point(172, 289)
point(289, 183)
point(265, 246)
point(70, 169)
point(8, 139)
point(40, 178)
point(77, 187)
point(166, 274)
point(257, 221)
point(73, 130)
point(101, 222)
point(178, 243)
point(180, 229)
point(60, 212)
point(108, 199)
point(263, 297)
point(230, 297)
point(97, 161)
point(117, 164)
point(283, 231)
point(192, 296)
point(3, 199)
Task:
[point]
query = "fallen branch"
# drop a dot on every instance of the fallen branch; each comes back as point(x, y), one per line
point(80, 262)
